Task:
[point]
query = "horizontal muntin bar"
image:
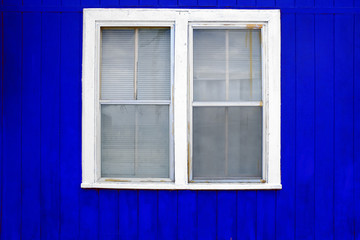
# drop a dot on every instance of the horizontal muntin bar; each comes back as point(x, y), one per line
point(228, 104)
point(138, 102)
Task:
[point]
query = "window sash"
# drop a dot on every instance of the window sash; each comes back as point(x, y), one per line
point(100, 102)
point(192, 104)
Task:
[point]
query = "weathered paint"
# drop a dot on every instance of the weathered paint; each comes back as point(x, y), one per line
point(254, 26)
point(320, 135)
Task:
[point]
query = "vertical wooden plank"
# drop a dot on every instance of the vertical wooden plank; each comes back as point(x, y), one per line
point(70, 124)
point(69, 3)
point(89, 214)
point(305, 3)
point(128, 214)
point(30, 131)
point(285, 3)
point(148, 208)
point(109, 3)
point(324, 125)
point(167, 215)
point(226, 3)
point(31, 2)
point(12, 2)
point(226, 214)
point(187, 215)
point(50, 3)
point(206, 219)
point(246, 215)
point(357, 126)
point(148, 3)
point(343, 3)
point(187, 3)
point(90, 3)
point(265, 3)
point(11, 168)
point(344, 127)
point(246, 3)
point(305, 83)
point(108, 214)
point(167, 3)
point(206, 3)
point(265, 224)
point(285, 199)
point(129, 3)
point(324, 3)
point(50, 129)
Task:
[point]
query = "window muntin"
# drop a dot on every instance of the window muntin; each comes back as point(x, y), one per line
point(135, 79)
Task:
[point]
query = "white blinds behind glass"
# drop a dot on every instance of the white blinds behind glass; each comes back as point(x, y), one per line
point(227, 65)
point(227, 141)
point(149, 50)
point(154, 64)
point(135, 141)
point(135, 137)
point(117, 64)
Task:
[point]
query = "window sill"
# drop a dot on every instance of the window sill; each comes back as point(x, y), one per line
point(190, 186)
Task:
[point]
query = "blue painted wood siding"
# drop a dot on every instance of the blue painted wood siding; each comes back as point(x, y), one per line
point(41, 45)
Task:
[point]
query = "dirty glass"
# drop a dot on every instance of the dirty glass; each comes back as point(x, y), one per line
point(227, 140)
point(135, 68)
point(227, 65)
point(135, 60)
point(135, 141)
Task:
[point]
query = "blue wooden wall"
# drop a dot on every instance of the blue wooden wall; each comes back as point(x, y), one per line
point(41, 44)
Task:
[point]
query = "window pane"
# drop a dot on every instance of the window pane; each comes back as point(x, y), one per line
point(209, 65)
point(154, 64)
point(227, 142)
point(117, 64)
point(227, 65)
point(135, 141)
point(149, 50)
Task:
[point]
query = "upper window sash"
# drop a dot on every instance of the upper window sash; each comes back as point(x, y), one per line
point(179, 20)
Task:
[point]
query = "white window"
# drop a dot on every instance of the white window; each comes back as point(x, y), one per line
point(181, 99)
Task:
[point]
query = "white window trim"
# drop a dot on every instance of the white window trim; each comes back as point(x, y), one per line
point(180, 20)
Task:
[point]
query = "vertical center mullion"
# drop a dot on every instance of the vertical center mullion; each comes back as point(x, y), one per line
point(227, 98)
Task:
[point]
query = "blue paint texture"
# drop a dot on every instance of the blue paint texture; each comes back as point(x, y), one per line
point(40, 158)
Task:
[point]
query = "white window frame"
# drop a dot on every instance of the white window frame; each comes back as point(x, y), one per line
point(181, 21)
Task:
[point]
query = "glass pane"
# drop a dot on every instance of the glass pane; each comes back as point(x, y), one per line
point(209, 65)
point(150, 49)
point(227, 65)
point(154, 64)
point(135, 141)
point(117, 64)
point(245, 65)
point(227, 142)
